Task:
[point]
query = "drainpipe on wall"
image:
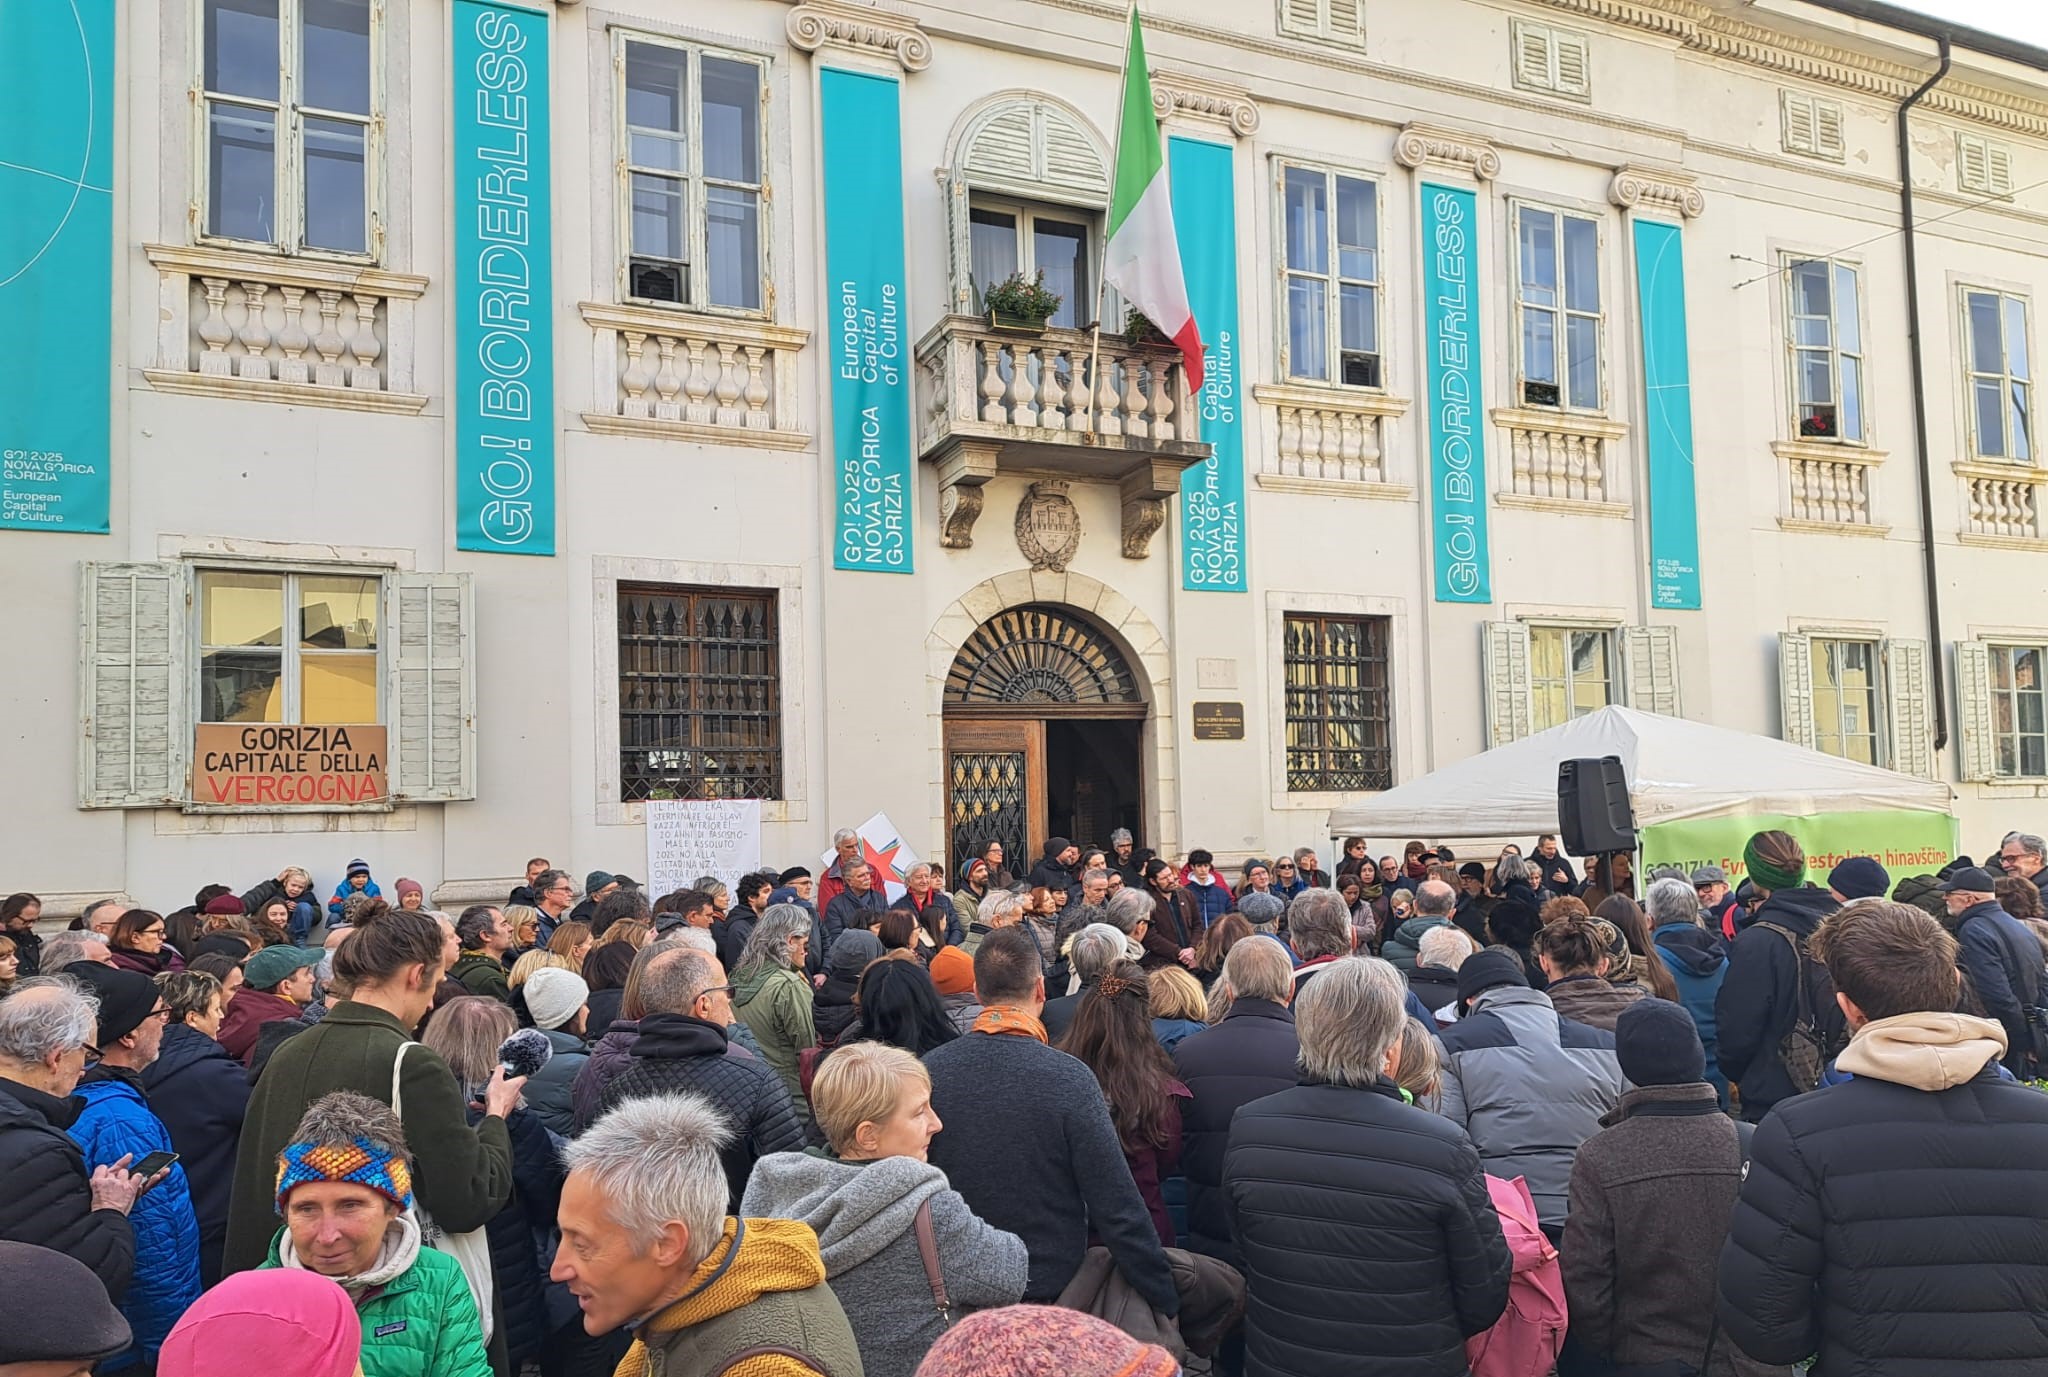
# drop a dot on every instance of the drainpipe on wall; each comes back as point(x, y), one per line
point(1936, 656)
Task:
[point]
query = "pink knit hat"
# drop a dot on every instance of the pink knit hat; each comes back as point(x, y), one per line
point(1042, 1341)
point(278, 1322)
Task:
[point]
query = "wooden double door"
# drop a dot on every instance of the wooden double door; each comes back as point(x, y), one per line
point(995, 789)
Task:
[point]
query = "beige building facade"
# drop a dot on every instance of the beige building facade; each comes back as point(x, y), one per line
point(284, 548)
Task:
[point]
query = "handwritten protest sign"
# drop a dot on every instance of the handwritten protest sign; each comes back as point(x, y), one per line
point(688, 839)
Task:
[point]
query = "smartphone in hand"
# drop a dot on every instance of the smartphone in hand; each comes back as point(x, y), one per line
point(149, 1166)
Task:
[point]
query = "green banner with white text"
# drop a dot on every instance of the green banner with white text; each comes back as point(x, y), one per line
point(1903, 843)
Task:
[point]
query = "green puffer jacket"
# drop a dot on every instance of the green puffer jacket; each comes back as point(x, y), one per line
point(775, 1004)
point(482, 974)
point(422, 1324)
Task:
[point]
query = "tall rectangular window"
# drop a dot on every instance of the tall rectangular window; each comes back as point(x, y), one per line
point(1826, 343)
point(288, 647)
point(1339, 707)
point(1331, 227)
point(1845, 701)
point(693, 155)
point(2000, 377)
point(1005, 237)
point(700, 693)
point(1557, 263)
point(1571, 673)
point(288, 110)
point(2019, 711)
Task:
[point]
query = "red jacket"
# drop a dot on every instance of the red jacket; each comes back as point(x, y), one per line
point(247, 1012)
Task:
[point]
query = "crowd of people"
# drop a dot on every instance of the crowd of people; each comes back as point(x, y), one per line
point(1107, 1113)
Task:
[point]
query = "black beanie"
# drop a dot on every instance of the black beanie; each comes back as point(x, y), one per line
point(57, 1310)
point(1486, 969)
point(126, 998)
point(1658, 1044)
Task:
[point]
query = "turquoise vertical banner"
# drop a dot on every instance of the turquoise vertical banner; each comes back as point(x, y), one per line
point(1457, 436)
point(1211, 494)
point(1667, 387)
point(504, 293)
point(871, 443)
point(56, 263)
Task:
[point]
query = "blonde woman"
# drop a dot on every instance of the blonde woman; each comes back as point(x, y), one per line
point(540, 958)
point(524, 920)
point(874, 1105)
point(572, 940)
point(1179, 1007)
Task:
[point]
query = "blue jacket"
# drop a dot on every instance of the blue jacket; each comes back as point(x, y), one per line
point(117, 1122)
point(201, 1094)
point(2003, 962)
point(1212, 901)
point(342, 893)
point(1698, 963)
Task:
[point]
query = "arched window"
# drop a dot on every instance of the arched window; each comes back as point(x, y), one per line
point(1026, 192)
point(1042, 656)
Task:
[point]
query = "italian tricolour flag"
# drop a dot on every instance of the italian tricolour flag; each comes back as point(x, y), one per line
point(1142, 260)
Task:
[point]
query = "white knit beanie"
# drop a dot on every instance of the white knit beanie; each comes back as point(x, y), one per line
point(553, 996)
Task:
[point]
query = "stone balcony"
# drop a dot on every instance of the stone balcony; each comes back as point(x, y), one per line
point(997, 401)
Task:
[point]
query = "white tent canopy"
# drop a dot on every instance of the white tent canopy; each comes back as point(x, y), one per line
point(1676, 769)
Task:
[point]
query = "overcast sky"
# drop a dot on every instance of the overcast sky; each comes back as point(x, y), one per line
point(2026, 20)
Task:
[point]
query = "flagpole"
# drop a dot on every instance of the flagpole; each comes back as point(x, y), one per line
point(1102, 255)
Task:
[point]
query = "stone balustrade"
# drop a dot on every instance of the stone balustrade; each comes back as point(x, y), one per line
point(680, 375)
point(2004, 501)
point(1559, 458)
point(278, 328)
point(1829, 488)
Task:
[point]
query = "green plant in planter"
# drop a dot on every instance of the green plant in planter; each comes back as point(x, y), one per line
point(1020, 303)
point(1139, 329)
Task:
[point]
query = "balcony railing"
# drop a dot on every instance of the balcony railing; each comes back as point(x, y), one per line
point(674, 375)
point(990, 400)
point(2004, 503)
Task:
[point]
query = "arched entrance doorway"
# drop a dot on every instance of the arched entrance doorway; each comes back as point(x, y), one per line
point(1045, 726)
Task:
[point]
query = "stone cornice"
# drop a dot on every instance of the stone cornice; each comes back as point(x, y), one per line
point(1417, 144)
point(816, 24)
point(1657, 188)
point(1179, 93)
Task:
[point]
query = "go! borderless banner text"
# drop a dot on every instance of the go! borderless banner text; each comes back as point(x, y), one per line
point(57, 73)
point(873, 489)
point(1457, 420)
point(1211, 494)
point(504, 296)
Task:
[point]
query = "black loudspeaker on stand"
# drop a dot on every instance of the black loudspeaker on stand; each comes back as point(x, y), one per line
point(1594, 816)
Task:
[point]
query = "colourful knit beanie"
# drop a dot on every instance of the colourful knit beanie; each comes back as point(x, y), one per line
point(362, 1163)
point(1042, 1341)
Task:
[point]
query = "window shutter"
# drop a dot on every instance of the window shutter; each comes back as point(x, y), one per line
point(1001, 151)
point(1649, 664)
point(1828, 140)
point(1072, 161)
point(1574, 64)
point(1795, 688)
point(1506, 664)
point(132, 747)
point(1798, 127)
point(1998, 169)
point(1347, 22)
point(1905, 692)
point(1973, 710)
point(1303, 18)
point(432, 697)
point(1972, 159)
point(1532, 56)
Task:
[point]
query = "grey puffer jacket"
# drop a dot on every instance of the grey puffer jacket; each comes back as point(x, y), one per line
point(1528, 1085)
point(863, 1214)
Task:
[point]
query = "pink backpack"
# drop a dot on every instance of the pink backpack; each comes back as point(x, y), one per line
point(1526, 1340)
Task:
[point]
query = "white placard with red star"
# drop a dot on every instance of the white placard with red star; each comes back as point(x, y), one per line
point(688, 839)
point(885, 850)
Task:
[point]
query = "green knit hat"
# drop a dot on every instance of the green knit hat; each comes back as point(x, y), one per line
point(1769, 875)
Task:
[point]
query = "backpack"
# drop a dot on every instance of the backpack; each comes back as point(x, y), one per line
point(1529, 1335)
point(1818, 1031)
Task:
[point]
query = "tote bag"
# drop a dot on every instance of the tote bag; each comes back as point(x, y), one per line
point(472, 1250)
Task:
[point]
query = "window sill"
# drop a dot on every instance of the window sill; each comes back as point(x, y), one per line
point(2004, 470)
point(1986, 541)
point(1335, 487)
point(214, 822)
point(1553, 421)
point(1573, 506)
point(1363, 401)
point(1828, 451)
point(1802, 526)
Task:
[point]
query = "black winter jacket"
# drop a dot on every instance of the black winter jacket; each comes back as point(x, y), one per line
point(519, 1269)
point(1248, 1056)
point(47, 1199)
point(1366, 1229)
point(1895, 1232)
point(850, 910)
point(1759, 999)
point(675, 1052)
point(2004, 965)
point(201, 1094)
